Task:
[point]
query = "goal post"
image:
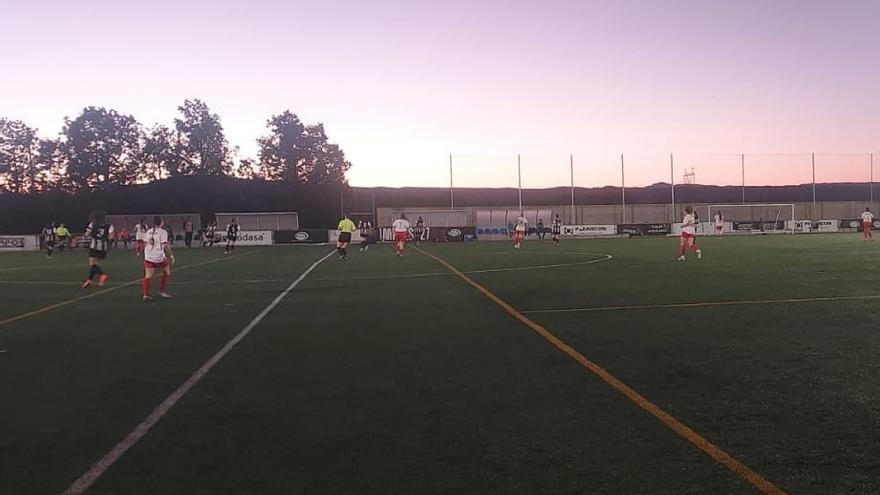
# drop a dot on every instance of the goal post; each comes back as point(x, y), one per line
point(756, 218)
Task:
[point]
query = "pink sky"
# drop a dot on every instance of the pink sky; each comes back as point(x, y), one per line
point(400, 85)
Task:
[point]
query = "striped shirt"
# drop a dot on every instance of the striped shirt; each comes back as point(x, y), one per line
point(99, 235)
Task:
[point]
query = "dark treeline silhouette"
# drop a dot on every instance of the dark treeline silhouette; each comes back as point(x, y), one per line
point(102, 149)
point(319, 205)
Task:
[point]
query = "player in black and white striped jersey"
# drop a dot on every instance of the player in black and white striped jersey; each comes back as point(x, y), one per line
point(232, 232)
point(99, 233)
point(49, 239)
point(556, 229)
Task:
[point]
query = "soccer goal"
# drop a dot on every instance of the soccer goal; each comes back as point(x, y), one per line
point(755, 218)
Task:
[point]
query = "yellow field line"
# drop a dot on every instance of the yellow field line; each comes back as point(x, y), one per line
point(712, 450)
point(90, 295)
point(707, 303)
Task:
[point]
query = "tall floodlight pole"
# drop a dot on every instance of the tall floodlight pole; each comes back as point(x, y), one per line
point(872, 177)
point(571, 172)
point(742, 162)
point(341, 200)
point(519, 180)
point(622, 190)
point(672, 182)
point(451, 193)
point(813, 157)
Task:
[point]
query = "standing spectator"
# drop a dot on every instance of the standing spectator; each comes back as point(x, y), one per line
point(541, 232)
point(188, 232)
point(170, 234)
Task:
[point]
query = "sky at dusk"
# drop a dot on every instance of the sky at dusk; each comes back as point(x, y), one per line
point(401, 85)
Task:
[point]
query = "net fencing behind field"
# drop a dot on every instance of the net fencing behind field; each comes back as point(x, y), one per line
point(625, 180)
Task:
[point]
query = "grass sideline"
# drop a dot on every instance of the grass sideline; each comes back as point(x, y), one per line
point(371, 378)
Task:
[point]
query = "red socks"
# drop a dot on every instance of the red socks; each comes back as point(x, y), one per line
point(163, 286)
point(146, 286)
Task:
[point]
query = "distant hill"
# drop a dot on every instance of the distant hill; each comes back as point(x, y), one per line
point(319, 206)
point(656, 193)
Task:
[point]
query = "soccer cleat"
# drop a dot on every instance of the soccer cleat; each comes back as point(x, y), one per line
point(102, 280)
point(165, 295)
point(681, 258)
point(86, 283)
point(147, 299)
point(699, 254)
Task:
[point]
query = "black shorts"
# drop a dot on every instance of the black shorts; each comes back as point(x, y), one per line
point(232, 238)
point(97, 253)
point(556, 231)
point(345, 237)
point(50, 244)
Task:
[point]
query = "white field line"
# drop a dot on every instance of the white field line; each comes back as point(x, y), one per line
point(707, 304)
point(85, 481)
point(605, 257)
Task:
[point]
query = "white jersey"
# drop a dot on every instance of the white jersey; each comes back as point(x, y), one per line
point(521, 224)
point(719, 221)
point(139, 231)
point(155, 241)
point(868, 217)
point(401, 225)
point(688, 225)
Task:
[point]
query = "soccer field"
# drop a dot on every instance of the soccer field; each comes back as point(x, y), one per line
point(598, 366)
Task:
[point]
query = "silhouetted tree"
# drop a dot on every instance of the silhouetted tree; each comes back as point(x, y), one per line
point(247, 169)
point(102, 147)
point(19, 171)
point(295, 152)
point(159, 153)
point(326, 163)
point(51, 162)
point(201, 146)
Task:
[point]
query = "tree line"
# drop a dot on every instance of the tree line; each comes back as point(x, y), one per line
point(103, 148)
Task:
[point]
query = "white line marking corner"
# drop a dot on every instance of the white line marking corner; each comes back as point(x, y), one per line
point(85, 481)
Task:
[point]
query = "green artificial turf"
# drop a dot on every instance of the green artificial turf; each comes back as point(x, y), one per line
point(384, 375)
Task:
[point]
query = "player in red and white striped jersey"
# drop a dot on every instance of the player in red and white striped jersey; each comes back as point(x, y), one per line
point(868, 223)
point(688, 234)
point(520, 229)
point(401, 228)
point(157, 256)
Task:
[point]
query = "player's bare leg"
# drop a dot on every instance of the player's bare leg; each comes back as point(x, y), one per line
point(166, 279)
point(149, 273)
point(342, 249)
point(692, 243)
point(95, 270)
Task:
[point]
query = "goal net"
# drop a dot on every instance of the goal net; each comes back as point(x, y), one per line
point(752, 218)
